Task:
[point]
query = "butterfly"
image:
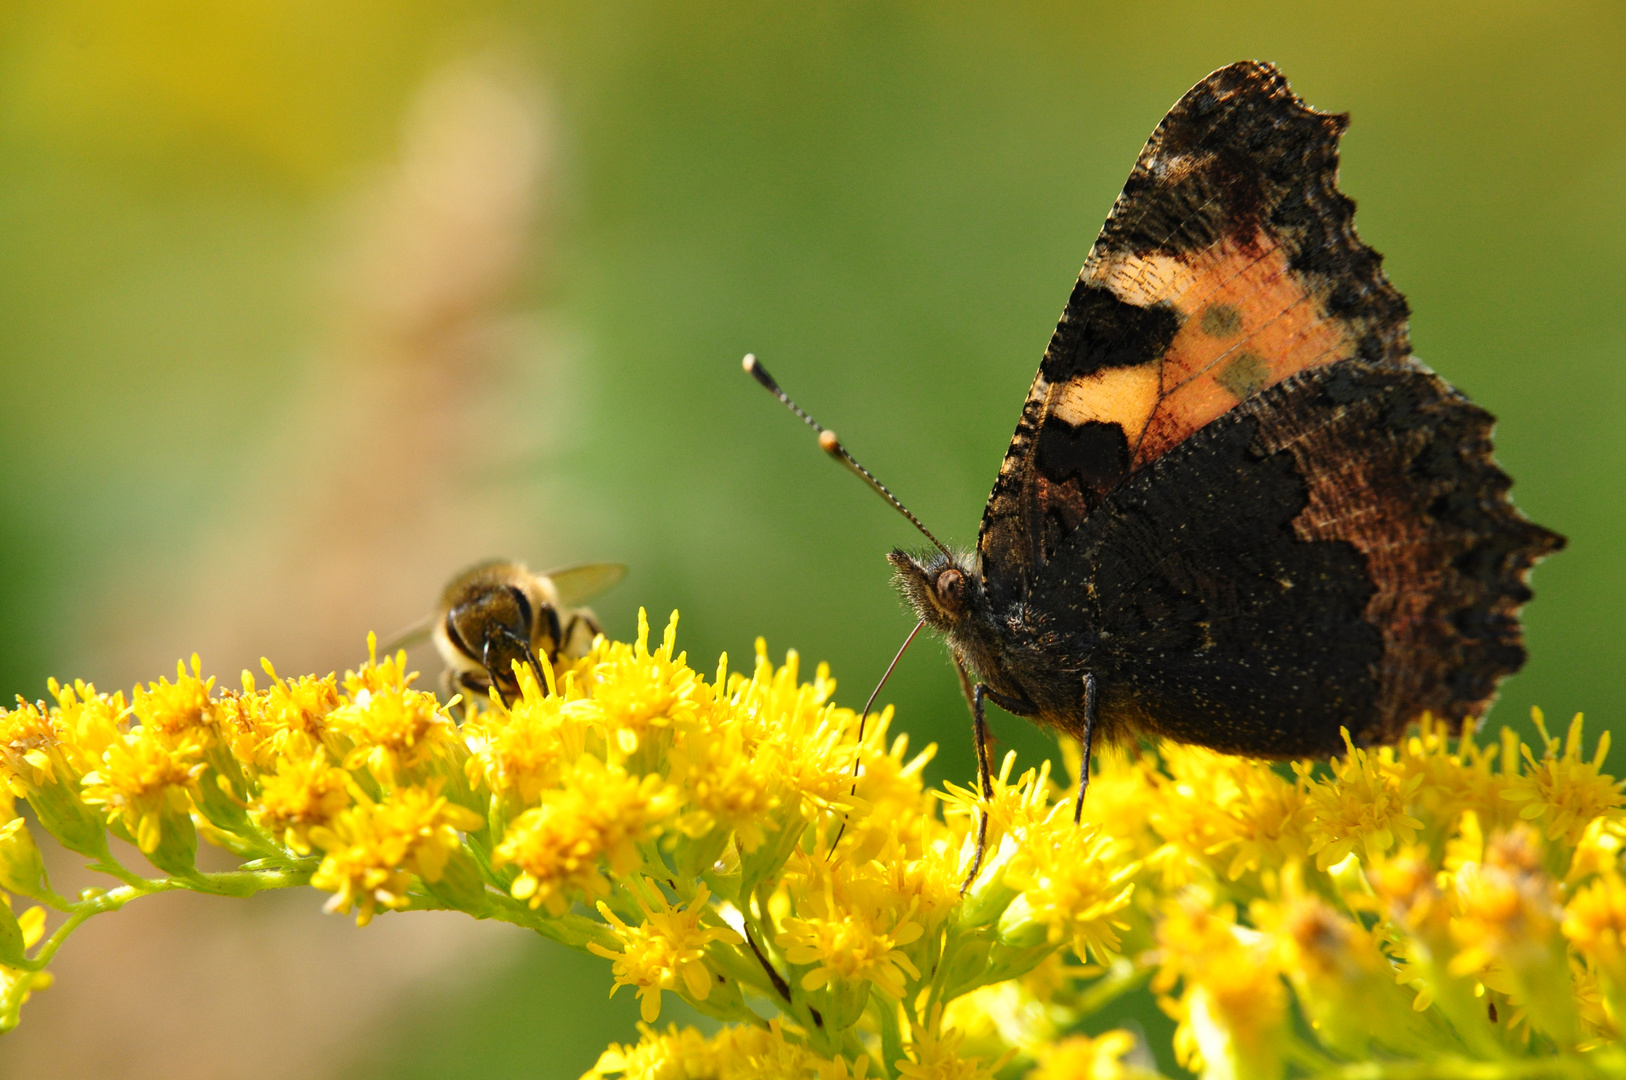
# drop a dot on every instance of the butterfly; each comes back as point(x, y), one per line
point(1236, 512)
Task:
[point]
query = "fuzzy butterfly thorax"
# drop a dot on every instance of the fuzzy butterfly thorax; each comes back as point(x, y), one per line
point(1236, 510)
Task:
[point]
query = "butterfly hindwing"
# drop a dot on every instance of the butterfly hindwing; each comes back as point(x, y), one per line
point(1228, 263)
point(1337, 552)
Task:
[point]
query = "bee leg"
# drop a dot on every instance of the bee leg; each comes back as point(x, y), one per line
point(491, 670)
point(579, 633)
point(1085, 740)
point(514, 644)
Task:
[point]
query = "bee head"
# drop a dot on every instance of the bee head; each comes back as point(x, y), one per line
point(941, 589)
point(492, 626)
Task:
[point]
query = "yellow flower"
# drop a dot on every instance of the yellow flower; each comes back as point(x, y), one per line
point(1015, 810)
point(30, 749)
point(1232, 1008)
point(734, 1053)
point(87, 722)
point(1506, 920)
point(935, 1054)
point(847, 925)
point(892, 808)
point(179, 707)
point(401, 735)
point(373, 849)
point(1447, 782)
point(1506, 907)
point(289, 717)
point(667, 948)
point(1566, 792)
point(600, 813)
point(1363, 805)
point(1595, 924)
point(1073, 879)
point(803, 740)
point(145, 780)
point(304, 793)
point(670, 1055)
point(1233, 813)
point(1125, 790)
point(1081, 1057)
point(521, 752)
point(641, 692)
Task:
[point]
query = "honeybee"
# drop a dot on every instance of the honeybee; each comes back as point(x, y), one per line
point(501, 611)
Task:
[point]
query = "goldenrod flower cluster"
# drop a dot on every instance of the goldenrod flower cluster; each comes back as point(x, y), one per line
point(1436, 908)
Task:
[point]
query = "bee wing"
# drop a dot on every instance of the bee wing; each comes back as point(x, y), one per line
point(410, 636)
point(579, 584)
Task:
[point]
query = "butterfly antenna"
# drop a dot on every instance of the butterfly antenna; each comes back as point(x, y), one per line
point(832, 446)
point(864, 716)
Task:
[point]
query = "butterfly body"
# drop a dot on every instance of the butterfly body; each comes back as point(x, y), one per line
point(1236, 511)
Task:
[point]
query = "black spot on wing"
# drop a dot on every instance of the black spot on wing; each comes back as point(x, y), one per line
point(1098, 330)
point(1094, 453)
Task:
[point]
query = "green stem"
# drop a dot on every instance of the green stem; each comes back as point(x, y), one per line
point(886, 1017)
point(568, 929)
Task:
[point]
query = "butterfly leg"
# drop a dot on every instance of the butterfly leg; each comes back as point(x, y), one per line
point(985, 781)
point(976, 696)
point(1085, 740)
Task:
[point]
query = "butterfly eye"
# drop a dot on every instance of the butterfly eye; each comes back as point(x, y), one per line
point(950, 586)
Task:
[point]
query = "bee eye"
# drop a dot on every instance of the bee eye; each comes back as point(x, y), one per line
point(522, 602)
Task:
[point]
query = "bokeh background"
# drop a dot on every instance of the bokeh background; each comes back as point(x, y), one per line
point(305, 305)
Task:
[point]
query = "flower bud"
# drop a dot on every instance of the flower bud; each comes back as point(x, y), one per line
point(65, 816)
point(21, 870)
point(459, 884)
point(175, 851)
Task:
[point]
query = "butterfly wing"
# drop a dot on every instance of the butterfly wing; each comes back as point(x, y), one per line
point(579, 584)
point(1233, 494)
point(1229, 263)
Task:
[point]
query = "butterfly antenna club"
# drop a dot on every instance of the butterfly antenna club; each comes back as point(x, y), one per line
point(832, 446)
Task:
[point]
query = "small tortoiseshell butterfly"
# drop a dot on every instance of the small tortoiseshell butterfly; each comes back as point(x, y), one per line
point(1237, 511)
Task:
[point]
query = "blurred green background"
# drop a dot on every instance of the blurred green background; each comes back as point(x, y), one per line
point(303, 305)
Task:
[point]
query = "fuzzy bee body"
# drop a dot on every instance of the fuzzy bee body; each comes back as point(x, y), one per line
point(501, 611)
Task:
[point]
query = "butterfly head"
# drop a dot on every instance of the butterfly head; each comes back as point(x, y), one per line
point(943, 589)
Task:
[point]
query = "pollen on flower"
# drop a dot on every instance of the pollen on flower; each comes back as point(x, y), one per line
point(400, 733)
point(934, 1054)
point(374, 849)
point(600, 815)
point(1235, 813)
point(1507, 908)
point(664, 952)
point(1595, 922)
point(174, 708)
point(523, 751)
point(640, 691)
point(141, 776)
point(1565, 792)
point(848, 926)
point(304, 793)
point(1074, 881)
point(1363, 806)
